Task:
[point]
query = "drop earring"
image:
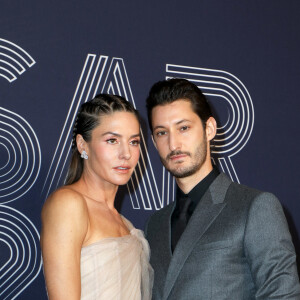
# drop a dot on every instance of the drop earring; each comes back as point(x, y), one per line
point(84, 155)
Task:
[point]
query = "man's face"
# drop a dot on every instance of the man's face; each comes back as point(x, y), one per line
point(180, 138)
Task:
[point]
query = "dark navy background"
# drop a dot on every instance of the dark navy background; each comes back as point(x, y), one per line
point(256, 41)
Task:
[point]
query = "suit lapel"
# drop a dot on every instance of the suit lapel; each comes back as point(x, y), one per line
point(161, 246)
point(164, 246)
point(204, 215)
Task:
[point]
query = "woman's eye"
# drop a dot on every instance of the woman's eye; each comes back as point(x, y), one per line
point(111, 141)
point(135, 142)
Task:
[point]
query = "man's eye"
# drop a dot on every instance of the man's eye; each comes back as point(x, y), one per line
point(184, 128)
point(135, 142)
point(160, 133)
point(111, 141)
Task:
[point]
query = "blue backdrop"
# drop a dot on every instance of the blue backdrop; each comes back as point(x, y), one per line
point(55, 55)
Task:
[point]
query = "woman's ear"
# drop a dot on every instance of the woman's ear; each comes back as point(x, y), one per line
point(80, 143)
point(211, 128)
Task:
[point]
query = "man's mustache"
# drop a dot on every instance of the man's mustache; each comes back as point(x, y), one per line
point(172, 153)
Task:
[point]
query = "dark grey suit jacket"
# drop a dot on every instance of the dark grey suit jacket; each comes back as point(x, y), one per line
point(236, 246)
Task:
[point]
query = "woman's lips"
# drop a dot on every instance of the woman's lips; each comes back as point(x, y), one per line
point(122, 169)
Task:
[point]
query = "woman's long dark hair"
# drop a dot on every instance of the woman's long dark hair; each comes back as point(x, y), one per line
point(88, 118)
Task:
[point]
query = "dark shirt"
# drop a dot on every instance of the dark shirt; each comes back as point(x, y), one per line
point(195, 195)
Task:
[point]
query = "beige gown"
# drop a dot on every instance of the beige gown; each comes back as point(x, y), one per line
point(117, 268)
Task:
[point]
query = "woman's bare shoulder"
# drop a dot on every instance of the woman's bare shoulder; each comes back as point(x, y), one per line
point(128, 224)
point(65, 200)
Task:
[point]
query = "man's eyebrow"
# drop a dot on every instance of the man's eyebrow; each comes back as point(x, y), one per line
point(119, 135)
point(177, 123)
point(182, 121)
point(158, 126)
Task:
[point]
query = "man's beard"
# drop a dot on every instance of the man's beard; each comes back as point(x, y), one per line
point(197, 162)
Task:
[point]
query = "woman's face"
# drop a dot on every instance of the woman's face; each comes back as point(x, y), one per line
point(113, 150)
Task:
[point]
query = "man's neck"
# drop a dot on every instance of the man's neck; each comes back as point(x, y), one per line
point(188, 183)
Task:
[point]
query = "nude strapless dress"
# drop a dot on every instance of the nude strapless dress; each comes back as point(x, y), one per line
point(117, 268)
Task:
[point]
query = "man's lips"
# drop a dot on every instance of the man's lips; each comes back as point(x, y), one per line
point(177, 155)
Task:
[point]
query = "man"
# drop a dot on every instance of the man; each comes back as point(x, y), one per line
point(219, 239)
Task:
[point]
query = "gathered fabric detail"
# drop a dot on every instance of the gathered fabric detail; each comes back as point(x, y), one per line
point(117, 268)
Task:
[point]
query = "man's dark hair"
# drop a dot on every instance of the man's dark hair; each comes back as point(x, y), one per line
point(167, 91)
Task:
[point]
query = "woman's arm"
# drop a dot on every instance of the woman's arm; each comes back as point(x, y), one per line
point(64, 227)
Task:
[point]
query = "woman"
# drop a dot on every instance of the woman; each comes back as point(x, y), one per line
point(89, 250)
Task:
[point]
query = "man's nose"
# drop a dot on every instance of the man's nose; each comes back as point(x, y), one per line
point(174, 141)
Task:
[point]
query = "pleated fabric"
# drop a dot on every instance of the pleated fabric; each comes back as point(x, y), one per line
point(117, 268)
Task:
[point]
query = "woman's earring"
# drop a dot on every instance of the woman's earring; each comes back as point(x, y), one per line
point(84, 155)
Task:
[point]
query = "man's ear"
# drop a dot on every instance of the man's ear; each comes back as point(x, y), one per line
point(154, 143)
point(211, 128)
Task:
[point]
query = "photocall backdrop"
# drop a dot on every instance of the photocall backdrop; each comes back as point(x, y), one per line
point(55, 55)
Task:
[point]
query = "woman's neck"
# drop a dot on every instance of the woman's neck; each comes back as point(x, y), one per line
point(97, 190)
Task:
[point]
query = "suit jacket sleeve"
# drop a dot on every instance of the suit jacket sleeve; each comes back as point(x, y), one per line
point(270, 251)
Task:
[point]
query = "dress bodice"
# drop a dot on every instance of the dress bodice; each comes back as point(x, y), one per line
point(117, 268)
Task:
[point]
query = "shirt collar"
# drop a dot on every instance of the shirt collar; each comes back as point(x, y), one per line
point(198, 190)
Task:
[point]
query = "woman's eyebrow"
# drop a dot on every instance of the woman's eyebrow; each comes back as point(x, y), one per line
point(119, 135)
